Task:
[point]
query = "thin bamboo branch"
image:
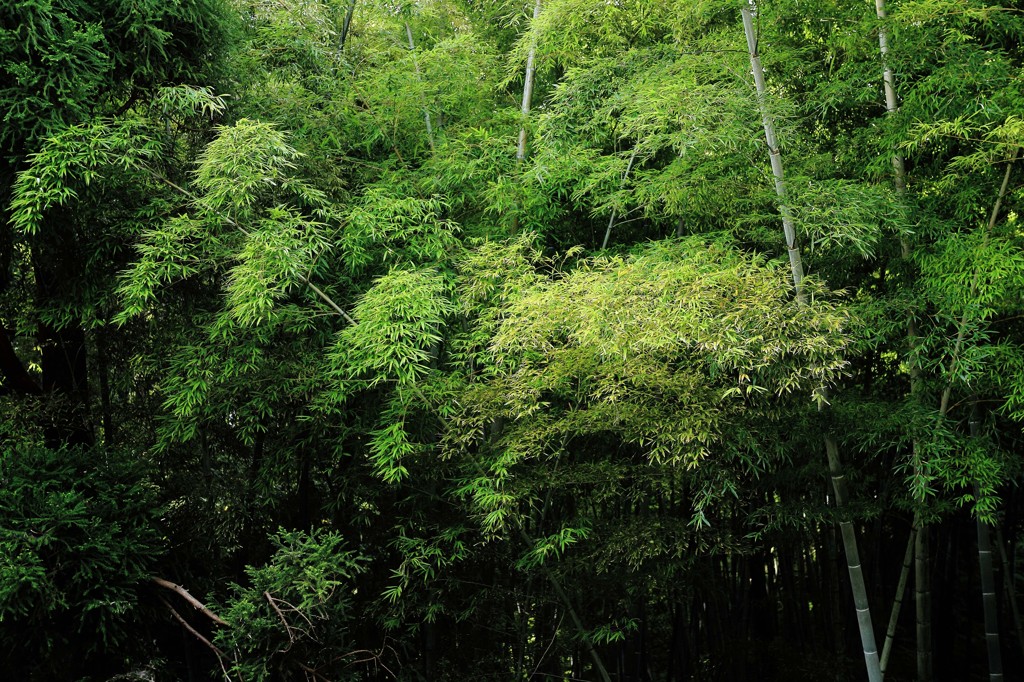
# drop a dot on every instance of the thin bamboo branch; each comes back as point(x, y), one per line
point(625, 176)
point(544, 655)
point(897, 604)
point(419, 78)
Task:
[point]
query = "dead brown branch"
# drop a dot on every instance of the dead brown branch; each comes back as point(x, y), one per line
point(284, 621)
point(198, 605)
point(184, 623)
point(314, 673)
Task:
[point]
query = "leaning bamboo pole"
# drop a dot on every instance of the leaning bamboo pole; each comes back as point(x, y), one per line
point(857, 585)
point(419, 78)
point(527, 103)
point(528, 88)
point(897, 604)
point(622, 183)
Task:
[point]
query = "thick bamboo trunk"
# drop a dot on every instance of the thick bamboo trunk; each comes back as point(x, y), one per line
point(1011, 596)
point(860, 595)
point(924, 630)
point(775, 155)
point(889, 84)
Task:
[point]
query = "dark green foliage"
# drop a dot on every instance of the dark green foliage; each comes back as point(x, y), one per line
point(301, 599)
point(64, 61)
point(79, 540)
point(396, 413)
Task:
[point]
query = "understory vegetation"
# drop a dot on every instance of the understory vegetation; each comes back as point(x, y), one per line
point(449, 340)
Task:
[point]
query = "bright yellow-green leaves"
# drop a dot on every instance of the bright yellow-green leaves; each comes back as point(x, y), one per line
point(660, 348)
point(398, 321)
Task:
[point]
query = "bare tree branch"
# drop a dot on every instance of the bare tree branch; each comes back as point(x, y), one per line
point(198, 605)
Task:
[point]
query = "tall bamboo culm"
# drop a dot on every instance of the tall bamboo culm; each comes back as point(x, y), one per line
point(897, 604)
point(988, 580)
point(860, 594)
point(922, 581)
point(419, 77)
point(531, 57)
point(528, 89)
point(346, 24)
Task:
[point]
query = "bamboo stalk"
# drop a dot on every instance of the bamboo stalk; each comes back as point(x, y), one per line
point(346, 23)
point(857, 585)
point(526, 105)
point(1011, 595)
point(962, 327)
point(774, 153)
point(897, 604)
point(419, 78)
point(889, 85)
point(625, 176)
point(988, 581)
point(528, 89)
point(921, 558)
point(922, 593)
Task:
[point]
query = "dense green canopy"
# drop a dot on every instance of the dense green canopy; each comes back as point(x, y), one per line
point(461, 340)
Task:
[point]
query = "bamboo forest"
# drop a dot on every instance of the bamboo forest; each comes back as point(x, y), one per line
point(511, 340)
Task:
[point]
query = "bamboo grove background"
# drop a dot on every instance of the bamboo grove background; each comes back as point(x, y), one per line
point(634, 340)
